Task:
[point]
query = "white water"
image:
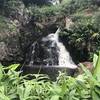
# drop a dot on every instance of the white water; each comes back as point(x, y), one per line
point(49, 51)
point(64, 59)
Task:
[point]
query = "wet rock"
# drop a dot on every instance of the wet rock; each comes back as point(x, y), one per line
point(3, 51)
point(87, 64)
point(10, 51)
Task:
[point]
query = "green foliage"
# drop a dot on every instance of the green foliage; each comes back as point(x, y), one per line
point(82, 3)
point(67, 6)
point(14, 86)
point(7, 28)
point(95, 77)
point(3, 24)
point(13, 7)
point(96, 20)
point(83, 35)
point(74, 6)
point(97, 66)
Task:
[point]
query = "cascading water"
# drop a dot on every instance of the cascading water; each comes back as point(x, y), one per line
point(49, 51)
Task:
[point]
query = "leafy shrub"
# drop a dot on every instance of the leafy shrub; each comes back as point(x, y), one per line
point(96, 20)
point(14, 86)
point(83, 36)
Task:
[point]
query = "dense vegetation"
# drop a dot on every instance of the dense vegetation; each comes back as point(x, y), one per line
point(24, 21)
point(14, 86)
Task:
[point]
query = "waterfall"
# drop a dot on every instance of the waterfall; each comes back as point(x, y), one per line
point(49, 51)
point(64, 58)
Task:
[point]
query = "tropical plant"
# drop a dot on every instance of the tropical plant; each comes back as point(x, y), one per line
point(83, 37)
point(14, 86)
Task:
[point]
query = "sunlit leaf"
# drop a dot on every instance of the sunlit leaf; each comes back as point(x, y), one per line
point(96, 72)
point(95, 59)
point(55, 97)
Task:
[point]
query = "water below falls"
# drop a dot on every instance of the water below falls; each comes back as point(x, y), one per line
point(49, 51)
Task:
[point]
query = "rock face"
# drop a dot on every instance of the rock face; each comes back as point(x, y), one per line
point(10, 35)
point(88, 65)
point(10, 51)
point(3, 50)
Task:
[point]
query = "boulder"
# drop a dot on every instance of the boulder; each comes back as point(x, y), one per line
point(88, 65)
point(3, 51)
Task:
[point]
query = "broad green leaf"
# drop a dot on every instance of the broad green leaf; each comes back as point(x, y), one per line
point(97, 89)
point(3, 97)
point(95, 59)
point(2, 89)
point(56, 89)
point(72, 94)
point(20, 92)
point(96, 72)
point(95, 96)
point(12, 67)
point(55, 97)
point(27, 90)
point(1, 72)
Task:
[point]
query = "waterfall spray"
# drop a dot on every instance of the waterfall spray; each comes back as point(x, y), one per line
point(49, 51)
